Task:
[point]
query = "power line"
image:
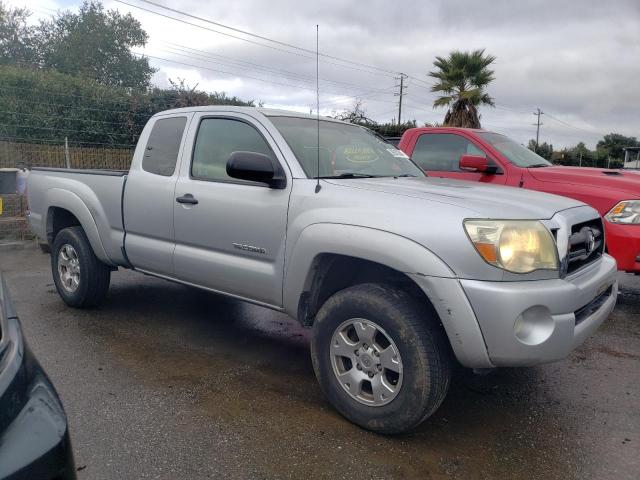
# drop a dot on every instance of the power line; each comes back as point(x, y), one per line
point(225, 72)
point(508, 108)
point(252, 66)
point(419, 80)
point(362, 96)
point(238, 63)
point(246, 39)
point(261, 37)
point(382, 113)
point(573, 126)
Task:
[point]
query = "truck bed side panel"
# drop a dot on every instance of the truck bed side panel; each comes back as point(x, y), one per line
point(98, 192)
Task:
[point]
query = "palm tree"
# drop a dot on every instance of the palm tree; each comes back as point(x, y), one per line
point(462, 79)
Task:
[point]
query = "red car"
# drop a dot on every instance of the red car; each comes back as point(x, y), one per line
point(482, 156)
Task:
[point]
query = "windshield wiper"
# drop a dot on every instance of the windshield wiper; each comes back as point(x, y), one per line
point(405, 175)
point(539, 165)
point(351, 175)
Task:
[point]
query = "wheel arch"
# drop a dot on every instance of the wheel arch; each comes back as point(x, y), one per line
point(66, 209)
point(327, 258)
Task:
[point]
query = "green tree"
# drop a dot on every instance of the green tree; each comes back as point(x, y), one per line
point(17, 39)
point(462, 79)
point(545, 150)
point(96, 44)
point(47, 106)
point(614, 144)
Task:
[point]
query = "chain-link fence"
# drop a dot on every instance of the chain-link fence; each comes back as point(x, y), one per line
point(13, 224)
point(17, 154)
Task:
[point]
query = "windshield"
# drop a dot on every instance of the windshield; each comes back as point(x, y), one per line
point(345, 150)
point(515, 153)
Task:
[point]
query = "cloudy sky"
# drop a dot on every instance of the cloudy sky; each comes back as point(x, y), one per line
point(579, 61)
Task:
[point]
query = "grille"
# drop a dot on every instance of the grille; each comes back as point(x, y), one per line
point(586, 244)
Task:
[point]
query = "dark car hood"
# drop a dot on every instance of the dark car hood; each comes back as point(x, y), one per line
point(597, 177)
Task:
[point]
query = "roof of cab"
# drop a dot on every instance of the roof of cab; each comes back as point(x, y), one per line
point(267, 112)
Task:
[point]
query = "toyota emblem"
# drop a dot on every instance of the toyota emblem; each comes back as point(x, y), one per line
point(590, 242)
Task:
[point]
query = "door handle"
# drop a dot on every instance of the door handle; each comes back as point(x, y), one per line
point(187, 198)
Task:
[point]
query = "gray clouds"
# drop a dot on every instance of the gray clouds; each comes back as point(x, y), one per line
point(577, 60)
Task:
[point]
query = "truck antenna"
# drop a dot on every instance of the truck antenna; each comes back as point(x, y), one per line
point(318, 107)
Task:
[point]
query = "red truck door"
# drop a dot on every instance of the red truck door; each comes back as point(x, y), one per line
point(439, 154)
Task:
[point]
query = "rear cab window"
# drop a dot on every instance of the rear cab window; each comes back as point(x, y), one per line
point(161, 153)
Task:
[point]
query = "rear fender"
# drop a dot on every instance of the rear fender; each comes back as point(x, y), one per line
point(61, 198)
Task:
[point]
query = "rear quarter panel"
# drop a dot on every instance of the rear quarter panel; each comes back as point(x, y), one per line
point(95, 199)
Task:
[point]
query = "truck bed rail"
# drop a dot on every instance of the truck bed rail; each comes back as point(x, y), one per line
point(87, 171)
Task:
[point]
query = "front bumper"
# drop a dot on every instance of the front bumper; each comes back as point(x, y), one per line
point(34, 438)
point(623, 244)
point(509, 324)
point(528, 323)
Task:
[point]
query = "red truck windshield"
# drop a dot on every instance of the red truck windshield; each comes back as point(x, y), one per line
point(515, 153)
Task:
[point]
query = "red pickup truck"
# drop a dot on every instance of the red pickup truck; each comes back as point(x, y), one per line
point(483, 156)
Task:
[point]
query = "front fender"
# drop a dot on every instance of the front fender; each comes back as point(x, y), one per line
point(432, 275)
point(57, 197)
point(391, 250)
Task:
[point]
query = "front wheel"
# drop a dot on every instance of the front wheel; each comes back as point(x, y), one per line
point(380, 357)
point(81, 279)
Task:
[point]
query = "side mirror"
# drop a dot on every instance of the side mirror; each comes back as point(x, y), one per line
point(476, 163)
point(255, 167)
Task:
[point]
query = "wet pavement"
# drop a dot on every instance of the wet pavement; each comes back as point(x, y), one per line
point(164, 381)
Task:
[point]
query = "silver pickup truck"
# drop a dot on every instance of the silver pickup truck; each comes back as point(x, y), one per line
point(398, 274)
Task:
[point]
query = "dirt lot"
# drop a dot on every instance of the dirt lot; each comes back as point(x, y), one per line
point(168, 382)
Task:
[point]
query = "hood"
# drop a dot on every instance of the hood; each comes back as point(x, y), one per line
point(597, 177)
point(481, 200)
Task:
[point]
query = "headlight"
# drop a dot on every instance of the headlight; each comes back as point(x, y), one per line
point(627, 211)
point(518, 246)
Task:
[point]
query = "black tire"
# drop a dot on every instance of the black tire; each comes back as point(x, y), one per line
point(423, 347)
point(94, 275)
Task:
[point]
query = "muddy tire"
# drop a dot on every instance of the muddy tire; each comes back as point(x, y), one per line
point(80, 278)
point(381, 357)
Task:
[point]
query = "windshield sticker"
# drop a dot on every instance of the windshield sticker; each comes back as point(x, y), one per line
point(397, 153)
point(359, 153)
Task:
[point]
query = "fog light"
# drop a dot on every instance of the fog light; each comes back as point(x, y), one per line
point(534, 326)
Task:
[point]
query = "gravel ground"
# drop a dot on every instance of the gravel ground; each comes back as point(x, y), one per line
point(169, 382)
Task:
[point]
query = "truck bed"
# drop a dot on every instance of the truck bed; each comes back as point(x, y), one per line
point(95, 195)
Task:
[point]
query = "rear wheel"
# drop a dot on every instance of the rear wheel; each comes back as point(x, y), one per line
point(380, 357)
point(80, 278)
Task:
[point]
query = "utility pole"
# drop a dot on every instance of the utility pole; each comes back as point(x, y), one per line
point(580, 164)
point(400, 94)
point(538, 113)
